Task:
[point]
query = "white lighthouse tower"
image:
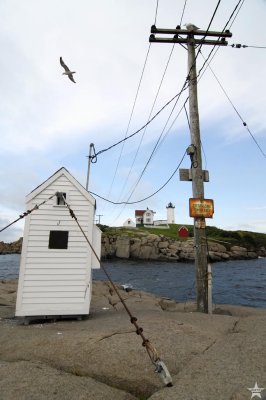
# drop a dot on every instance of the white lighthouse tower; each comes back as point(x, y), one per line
point(170, 213)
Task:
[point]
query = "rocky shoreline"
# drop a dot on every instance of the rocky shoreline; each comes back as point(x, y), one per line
point(143, 246)
point(150, 247)
point(101, 357)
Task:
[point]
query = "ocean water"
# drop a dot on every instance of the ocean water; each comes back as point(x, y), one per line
point(234, 282)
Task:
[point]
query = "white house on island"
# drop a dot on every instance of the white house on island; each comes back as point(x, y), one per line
point(144, 217)
point(55, 271)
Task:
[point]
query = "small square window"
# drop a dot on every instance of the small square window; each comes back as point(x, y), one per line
point(59, 200)
point(58, 240)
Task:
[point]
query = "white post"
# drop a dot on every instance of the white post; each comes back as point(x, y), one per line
point(209, 288)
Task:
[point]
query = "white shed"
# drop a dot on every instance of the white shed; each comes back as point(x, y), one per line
point(129, 223)
point(55, 276)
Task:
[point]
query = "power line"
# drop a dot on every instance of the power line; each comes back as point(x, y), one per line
point(156, 144)
point(146, 198)
point(129, 122)
point(244, 46)
point(237, 112)
point(156, 11)
point(183, 88)
point(145, 129)
point(225, 26)
point(239, 8)
point(183, 11)
point(212, 18)
point(232, 14)
point(133, 108)
point(140, 129)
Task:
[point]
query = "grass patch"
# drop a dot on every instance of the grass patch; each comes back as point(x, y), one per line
point(251, 240)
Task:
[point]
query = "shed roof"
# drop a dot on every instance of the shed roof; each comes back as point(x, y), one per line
point(183, 228)
point(56, 175)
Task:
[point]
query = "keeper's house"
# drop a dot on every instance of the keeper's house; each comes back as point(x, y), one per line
point(55, 276)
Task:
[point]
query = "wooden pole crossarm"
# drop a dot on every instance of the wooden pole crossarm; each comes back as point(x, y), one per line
point(198, 32)
point(154, 39)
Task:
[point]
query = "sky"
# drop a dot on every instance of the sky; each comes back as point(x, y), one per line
point(47, 122)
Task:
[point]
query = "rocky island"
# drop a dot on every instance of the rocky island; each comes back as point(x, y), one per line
point(143, 245)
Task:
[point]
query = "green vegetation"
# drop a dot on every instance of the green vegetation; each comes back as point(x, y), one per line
point(228, 238)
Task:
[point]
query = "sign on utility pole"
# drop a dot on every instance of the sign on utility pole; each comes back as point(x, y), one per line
point(196, 174)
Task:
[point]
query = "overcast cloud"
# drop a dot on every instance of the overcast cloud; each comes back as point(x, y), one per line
point(47, 122)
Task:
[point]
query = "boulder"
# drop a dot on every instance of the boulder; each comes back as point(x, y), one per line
point(217, 247)
point(122, 247)
point(214, 256)
point(148, 252)
point(163, 245)
point(252, 254)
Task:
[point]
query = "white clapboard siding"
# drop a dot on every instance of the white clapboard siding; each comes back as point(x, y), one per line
point(53, 289)
point(54, 309)
point(57, 281)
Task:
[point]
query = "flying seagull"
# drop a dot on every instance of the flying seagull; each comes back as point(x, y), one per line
point(191, 27)
point(67, 70)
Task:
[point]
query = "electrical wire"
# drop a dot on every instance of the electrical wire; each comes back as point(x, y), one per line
point(148, 197)
point(239, 8)
point(212, 18)
point(183, 11)
point(145, 129)
point(156, 11)
point(178, 95)
point(169, 58)
point(244, 46)
point(133, 108)
point(156, 144)
point(237, 112)
point(173, 98)
point(140, 129)
point(225, 27)
point(129, 122)
point(184, 86)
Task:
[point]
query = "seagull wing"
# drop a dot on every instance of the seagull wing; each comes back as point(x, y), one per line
point(71, 78)
point(64, 65)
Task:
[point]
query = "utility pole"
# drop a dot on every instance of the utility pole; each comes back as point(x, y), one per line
point(99, 215)
point(197, 180)
point(89, 165)
point(195, 174)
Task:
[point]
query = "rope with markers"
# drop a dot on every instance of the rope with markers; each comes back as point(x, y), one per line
point(161, 369)
point(27, 213)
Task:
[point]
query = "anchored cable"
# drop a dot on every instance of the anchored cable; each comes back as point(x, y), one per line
point(140, 129)
point(27, 213)
point(225, 26)
point(237, 112)
point(146, 198)
point(244, 46)
point(152, 352)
